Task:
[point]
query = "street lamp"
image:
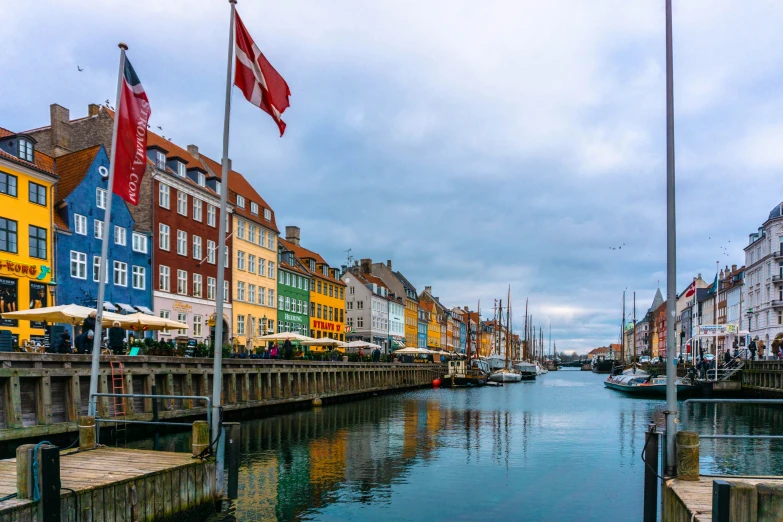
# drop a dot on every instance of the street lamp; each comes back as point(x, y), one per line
point(265, 327)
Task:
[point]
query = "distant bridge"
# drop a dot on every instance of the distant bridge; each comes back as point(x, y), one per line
point(575, 364)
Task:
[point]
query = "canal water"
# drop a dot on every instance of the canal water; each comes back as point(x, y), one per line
point(559, 448)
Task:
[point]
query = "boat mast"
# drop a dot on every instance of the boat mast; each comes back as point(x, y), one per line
point(622, 333)
point(478, 328)
point(634, 331)
point(525, 347)
point(508, 326)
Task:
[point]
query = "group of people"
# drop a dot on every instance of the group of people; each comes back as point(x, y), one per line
point(759, 347)
point(83, 343)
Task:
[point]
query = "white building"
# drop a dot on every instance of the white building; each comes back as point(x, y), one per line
point(762, 293)
point(396, 321)
point(367, 308)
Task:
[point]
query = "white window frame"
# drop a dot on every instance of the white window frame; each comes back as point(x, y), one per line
point(271, 298)
point(202, 179)
point(251, 263)
point(120, 236)
point(139, 243)
point(267, 214)
point(240, 260)
point(160, 160)
point(96, 270)
point(270, 269)
point(139, 279)
point(198, 207)
point(79, 260)
point(240, 201)
point(182, 282)
point(100, 198)
point(211, 252)
point(211, 213)
point(198, 287)
point(197, 325)
point(182, 243)
point(164, 276)
point(98, 228)
point(197, 251)
point(240, 325)
point(164, 196)
point(182, 170)
point(254, 208)
point(241, 229)
point(80, 224)
point(251, 293)
point(211, 287)
point(182, 203)
point(164, 237)
point(240, 291)
point(120, 273)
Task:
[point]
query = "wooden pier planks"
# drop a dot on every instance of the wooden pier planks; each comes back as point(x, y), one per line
point(691, 501)
point(106, 480)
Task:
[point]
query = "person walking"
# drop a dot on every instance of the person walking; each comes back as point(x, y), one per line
point(116, 338)
point(288, 350)
point(761, 350)
point(752, 349)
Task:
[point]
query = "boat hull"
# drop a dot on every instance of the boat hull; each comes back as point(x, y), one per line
point(653, 390)
point(462, 380)
point(603, 367)
point(505, 377)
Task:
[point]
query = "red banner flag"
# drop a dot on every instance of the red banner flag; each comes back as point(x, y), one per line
point(261, 84)
point(130, 160)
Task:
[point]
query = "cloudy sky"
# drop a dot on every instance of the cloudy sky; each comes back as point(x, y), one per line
point(476, 144)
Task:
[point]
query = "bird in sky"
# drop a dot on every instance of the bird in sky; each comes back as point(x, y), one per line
point(160, 128)
point(79, 68)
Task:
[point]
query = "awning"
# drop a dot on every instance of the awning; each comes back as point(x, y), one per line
point(126, 308)
point(145, 310)
point(398, 343)
point(109, 307)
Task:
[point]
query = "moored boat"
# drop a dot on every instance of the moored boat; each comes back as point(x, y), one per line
point(464, 373)
point(504, 375)
point(527, 370)
point(646, 385)
point(602, 364)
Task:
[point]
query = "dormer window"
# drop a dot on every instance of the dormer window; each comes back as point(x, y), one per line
point(254, 208)
point(202, 179)
point(217, 187)
point(325, 270)
point(312, 265)
point(267, 214)
point(160, 160)
point(26, 150)
point(181, 169)
point(240, 201)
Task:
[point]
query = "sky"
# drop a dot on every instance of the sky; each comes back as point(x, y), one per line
point(477, 145)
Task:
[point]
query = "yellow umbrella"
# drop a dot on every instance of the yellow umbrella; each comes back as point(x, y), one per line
point(69, 314)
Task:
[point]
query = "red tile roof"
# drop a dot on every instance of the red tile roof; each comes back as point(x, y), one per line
point(43, 162)
point(72, 168)
point(60, 223)
point(302, 253)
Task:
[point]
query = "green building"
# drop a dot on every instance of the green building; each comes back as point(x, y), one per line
point(293, 294)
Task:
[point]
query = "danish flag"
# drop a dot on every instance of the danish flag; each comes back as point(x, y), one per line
point(691, 289)
point(261, 84)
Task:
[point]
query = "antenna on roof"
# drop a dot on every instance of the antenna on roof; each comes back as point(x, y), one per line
point(350, 257)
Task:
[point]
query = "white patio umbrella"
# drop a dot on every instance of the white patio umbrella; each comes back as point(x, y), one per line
point(324, 341)
point(356, 345)
point(282, 336)
point(412, 351)
point(139, 320)
point(68, 314)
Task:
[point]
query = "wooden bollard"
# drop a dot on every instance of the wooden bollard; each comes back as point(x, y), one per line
point(770, 498)
point(200, 437)
point(317, 402)
point(687, 451)
point(24, 473)
point(86, 433)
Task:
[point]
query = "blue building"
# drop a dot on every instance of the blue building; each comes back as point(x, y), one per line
point(78, 222)
point(462, 336)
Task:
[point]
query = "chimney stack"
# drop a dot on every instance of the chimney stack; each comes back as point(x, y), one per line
point(733, 268)
point(193, 150)
point(60, 119)
point(93, 110)
point(699, 278)
point(428, 289)
point(366, 265)
point(292, 235)
point(388, 264)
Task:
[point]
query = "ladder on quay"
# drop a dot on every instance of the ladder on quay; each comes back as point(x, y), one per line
point(118, 386)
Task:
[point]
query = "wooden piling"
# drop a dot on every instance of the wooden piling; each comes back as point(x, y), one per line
point(24, 479)
point(687, 455)
point(770, 502)
point(200, 437)
point(86, 432)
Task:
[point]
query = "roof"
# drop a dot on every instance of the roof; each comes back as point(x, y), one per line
point(282, 264)
point(60, 223)
point(777, 211)
point(657, 300)
point(303, 253)
point(427, 305)
point(43, 162)
point(407, 284)
point(72, 168)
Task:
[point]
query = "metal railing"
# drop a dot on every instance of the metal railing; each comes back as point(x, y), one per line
point(769, 402)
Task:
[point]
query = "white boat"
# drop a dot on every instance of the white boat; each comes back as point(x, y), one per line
point(528, 370)
point(504, 375)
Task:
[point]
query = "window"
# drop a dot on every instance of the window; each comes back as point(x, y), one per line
point(261, 236)
point(37, 242)
point(261, 291)
point(240, 290)
point(351, 291)
point(181, 169)
point(254, 208)
point(318, 311)
point(270, 267)
point(306, 284)
point(197, 247)
point(211, 251)
point(211, 288)
point(287, 304)
point(270, 241)
point(288, 278)
point(182, 242)
point(331, 290)
point(241, 229)
point(240, 260)
point(78, 264)
point(163, 195)
point(359, 305)
point(119, 236)
point(210, 215)
point(100, 198)
point(225, 290)
point(164, 279)
point(218, 187)
point(251, 233)
point(202, 179)
point(197, 206)
point(139, 277)
point(240, 325)
point(37, 194)
point(319, 287)
point(197, 324)
point(281, 303)
point(197, 285)
point(271, 301)
point(182, 282)
point(267, 214)
point(139, 243)
point(251, 263)
point(26, 150)
point(251, 293)
point(165, 314)
point(79, 225)
point(360, 322)
point(183, 318)
point(240, 201)
point(120, 273)
point(160, 160)
point(182, 203)
point(7, 184)
point(299, 281)
point(96, 269)
point(163, 237)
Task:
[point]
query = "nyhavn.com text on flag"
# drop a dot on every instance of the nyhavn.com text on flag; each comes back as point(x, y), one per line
point(131, 154)
point(261, 84)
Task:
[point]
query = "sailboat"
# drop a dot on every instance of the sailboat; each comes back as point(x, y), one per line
point(507, 373)
point(527, 370)
point(471, 371)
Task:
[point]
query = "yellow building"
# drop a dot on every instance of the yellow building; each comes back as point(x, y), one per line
point(433, 325)
point(27, 279)
point(327, 291)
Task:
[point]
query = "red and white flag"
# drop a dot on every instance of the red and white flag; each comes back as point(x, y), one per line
point(130, 160)
point(691, 289)
point(261, 84)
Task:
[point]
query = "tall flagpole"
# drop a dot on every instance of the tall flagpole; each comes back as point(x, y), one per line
point(671, 255)
point(96, 342)
point(217, 370)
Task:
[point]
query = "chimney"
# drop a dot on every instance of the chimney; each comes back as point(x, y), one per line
point(428, 289)
point(93, 110)
point(193, 150)
point(699, 278)
point(366, 265)
point(733, 268)
point(388, 264)
point(60, 118)
point(292, 235)
point(355, 264)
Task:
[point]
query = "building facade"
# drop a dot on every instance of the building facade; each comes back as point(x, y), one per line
point(293, 293)
point(27, 275)
point(367, 306)
point(79, 215)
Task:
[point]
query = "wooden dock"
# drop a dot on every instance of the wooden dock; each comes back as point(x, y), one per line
point(692, 501)
point(44, 394)
point(119, 485)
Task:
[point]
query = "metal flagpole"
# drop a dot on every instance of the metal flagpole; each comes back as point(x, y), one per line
point(671, 255)
point(96, 342)
point(217, 370)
